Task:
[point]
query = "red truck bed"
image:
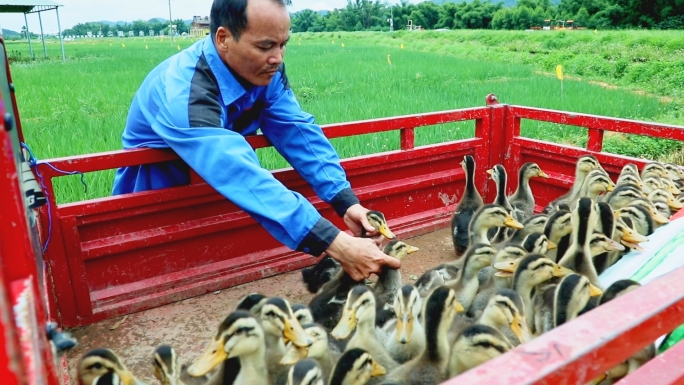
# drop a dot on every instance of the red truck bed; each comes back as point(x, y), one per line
point(131, 254)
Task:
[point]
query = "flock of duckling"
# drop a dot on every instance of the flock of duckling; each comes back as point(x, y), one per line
point(516, 276)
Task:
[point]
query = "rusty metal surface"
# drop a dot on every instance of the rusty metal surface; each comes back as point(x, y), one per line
point(189, 323)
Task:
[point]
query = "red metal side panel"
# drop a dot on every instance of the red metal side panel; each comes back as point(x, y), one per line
point(666, 368)
point(581, 350)
point(128, 253)
point(11, 364)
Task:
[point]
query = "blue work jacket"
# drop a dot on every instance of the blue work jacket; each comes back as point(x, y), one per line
point(196, 105)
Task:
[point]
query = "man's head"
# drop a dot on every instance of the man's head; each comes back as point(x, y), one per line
point(250, 36)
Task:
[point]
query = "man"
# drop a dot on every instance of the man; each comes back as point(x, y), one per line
point(201, 103)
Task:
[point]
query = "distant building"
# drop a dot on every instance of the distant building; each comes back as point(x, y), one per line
point(199, 26)
point(131, 33)
point(151, 32)
point(141, 33)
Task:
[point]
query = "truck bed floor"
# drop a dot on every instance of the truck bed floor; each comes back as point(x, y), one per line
point(189, 324)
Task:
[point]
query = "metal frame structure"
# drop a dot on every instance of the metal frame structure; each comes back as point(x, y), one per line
point(34, 6)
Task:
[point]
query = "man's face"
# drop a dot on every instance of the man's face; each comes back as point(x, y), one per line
point(260, 50)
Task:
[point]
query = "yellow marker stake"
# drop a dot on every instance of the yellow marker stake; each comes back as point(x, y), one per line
point(123, 45)
point(146, 47)
point(333, 41)
point(342, 44)
point(110, 44)
point(401, 46)
point(559, 75)
point(388, 59)
point(179, 48)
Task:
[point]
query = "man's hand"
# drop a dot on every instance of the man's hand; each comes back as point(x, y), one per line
point(359, 257)
point(355, 218)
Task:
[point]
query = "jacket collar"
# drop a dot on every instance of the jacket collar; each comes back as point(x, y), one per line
point(231, 85)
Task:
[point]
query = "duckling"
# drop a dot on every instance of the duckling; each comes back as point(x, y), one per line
point(470, 202)
point(670, 186)
point(652, 183)
point(99, 362)
point(613, 291)
point(430, 367)
point(490, 282)
point(528, 273)
point(239, 335)
point(406, 336)
point(532, 224)
point(653, 169)
point(600, 246)
point(169, 371)
point(629, 180)
point(356, 367)
point(359, 315)
point(522, 199)
point(622, 196)
point(641, 218)
point(499, 176)
point(648, 205)
point(596, 183)
point(302, 314)
point(320, 350)
point(437, 276)
point(537, 243)
point(278, 323)
point(326, 306)
point(630, 168)
point(585, 164)
point(377, 220)
point(663, 209)
point(561, 303)
point(605, 225)
point(674, 172)
point(389, 280)
point(578, 257)
point(626, 234)
point(480, 255)
point(664, 196)
point(306, 372)
point(252, 303)
point(315, 277)
point(476, 345)
point(109, 378)
point(486, 217)
point(557, 230)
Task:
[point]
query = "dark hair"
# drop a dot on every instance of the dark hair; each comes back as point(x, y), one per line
point(232, 14)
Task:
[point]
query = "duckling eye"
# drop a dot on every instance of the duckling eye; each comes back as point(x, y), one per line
point(96, 365)
point(365, 302)
point(271, 314)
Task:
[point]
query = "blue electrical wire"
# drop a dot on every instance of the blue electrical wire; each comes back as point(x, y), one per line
point(33, 162)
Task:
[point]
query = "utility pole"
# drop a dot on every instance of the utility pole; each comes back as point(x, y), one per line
point(170, 22)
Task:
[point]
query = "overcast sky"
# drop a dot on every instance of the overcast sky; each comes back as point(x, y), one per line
point(80, 11)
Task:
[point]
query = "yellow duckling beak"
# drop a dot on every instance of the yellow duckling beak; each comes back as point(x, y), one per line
point(346, 325)
point(598, 379)
point(126, 377)
point(459, 308)
point(295, 333)
point(614, 246)
point(512, 223)
point(550, 245)
point(594, 291)
point(412, 249)
point(610, 187)
point(674, 204)
point(519, 328)
point(659, 218)
point(385, 231)
point(542, 174)
point(294, 353)
point(561, 271)
point(378, 370)
point(506, 268)
point(404, 328)
point(213, 355)
point(673, 189)
point(490, 171)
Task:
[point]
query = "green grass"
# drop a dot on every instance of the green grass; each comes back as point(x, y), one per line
point(80, 106)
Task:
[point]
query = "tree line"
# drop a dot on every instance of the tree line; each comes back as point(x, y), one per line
point(362, 15)
point(136, 26)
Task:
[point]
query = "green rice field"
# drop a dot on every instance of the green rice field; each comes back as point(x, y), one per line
point(80, 106)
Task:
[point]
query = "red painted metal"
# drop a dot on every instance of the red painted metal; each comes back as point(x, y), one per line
point(666, 368)
point(581, 350)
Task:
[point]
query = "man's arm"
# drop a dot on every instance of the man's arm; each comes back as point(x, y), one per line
point(228, 163)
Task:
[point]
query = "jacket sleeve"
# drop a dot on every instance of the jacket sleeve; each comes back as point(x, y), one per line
point(228, 163)
point(302, 143)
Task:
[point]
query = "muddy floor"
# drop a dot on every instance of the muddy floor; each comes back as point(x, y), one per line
point(188, 325)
